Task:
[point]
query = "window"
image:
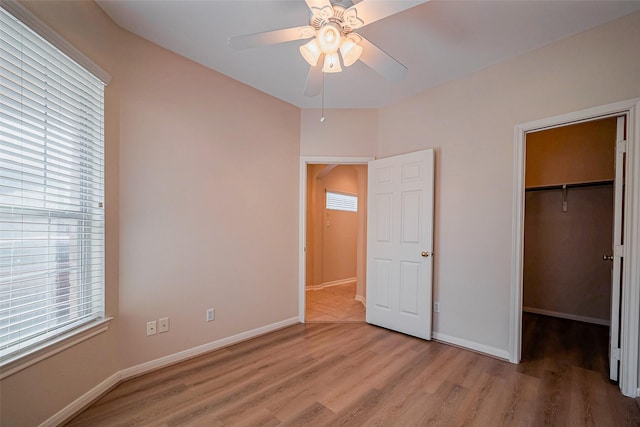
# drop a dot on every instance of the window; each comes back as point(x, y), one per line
point(51, 192)
point(342, 202)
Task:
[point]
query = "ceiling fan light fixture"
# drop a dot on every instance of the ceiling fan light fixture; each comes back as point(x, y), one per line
point(350, 51)
point(329, 38)
point(311, 52)
point(331, 63)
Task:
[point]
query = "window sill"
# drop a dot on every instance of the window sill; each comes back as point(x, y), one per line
point(51, 348)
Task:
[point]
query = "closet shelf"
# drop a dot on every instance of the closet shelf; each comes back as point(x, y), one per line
point(571, 185)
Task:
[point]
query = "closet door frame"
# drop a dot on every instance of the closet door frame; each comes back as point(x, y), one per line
point(630, 301)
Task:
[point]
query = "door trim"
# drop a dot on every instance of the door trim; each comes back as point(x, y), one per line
point(630, 310)
point(302, 219)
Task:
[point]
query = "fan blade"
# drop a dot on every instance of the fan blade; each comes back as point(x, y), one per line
point(271, 37)
point(381, 62)
point(369, 11)
point(313, 86)
point(320, 8)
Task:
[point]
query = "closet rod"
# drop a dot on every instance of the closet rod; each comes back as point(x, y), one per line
point(576, 185)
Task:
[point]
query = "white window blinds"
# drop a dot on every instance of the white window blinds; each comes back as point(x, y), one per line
point(51, 192)
point(341, 202)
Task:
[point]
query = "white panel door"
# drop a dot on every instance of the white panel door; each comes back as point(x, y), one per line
point(400, 243)
point(616, 269)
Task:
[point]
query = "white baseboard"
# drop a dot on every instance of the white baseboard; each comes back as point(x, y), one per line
point(333, 283)
point(586, 319)
point(205, 348)
point(77, 405)
point(471, 345)
point(362, 299)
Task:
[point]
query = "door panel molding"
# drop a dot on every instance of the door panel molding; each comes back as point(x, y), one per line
point(401, 206)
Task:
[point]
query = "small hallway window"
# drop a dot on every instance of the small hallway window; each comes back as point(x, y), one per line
point(341, 202)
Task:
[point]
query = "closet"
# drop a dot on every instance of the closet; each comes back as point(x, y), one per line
point(569, 213)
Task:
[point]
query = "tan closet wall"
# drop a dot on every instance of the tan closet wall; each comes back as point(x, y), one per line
point(564, 273)
point(563, 270)
point(572, 154)
point(339, 228)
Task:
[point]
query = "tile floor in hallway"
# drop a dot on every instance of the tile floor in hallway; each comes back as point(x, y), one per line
point(334, 304)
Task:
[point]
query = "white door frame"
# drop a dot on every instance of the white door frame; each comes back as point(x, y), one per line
point(630, 310)
point(302, 232)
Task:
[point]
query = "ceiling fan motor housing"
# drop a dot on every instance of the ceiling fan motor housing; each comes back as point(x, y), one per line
point(336, 17)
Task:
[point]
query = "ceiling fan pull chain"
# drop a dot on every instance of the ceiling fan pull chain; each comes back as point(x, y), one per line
point(322, 119)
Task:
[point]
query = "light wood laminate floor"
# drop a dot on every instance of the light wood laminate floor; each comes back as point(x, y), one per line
point(334, 304)
point(355, 374)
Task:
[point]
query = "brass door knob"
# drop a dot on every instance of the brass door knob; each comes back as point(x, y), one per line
point(607, 257)
point(424, 253)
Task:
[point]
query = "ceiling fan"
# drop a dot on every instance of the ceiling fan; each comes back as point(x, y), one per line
point(331, 31)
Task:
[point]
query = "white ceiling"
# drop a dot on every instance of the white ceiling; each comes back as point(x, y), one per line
point(437, 41)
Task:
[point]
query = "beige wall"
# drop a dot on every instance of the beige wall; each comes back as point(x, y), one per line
point(208, 204)
point(470, 122)
point(202, 188)
point(344, 133)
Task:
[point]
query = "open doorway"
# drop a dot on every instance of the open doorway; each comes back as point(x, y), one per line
point(568, 287)
point(628, 251)
point(335, 242)
point(400, 239)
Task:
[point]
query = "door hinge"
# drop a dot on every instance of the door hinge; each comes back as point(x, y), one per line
point(618, 250)
point(621, 146)
point(615, 353)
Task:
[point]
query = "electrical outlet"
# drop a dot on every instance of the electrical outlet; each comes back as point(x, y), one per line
point(151, 328)
point(436, 307)
point(211, 315)
point(163, 324)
